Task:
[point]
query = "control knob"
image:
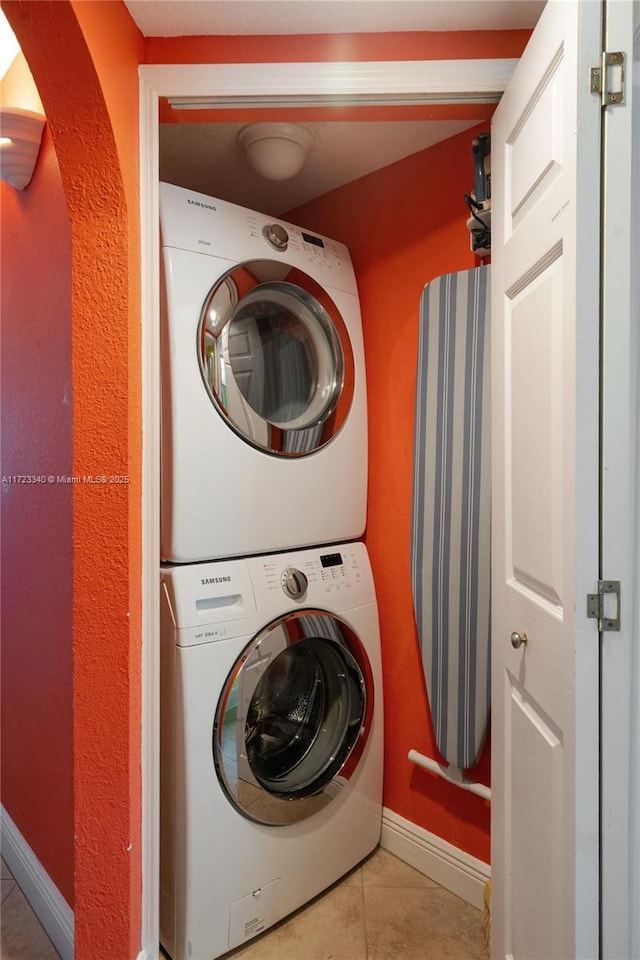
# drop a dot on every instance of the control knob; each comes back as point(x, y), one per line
point(276, 235)
point(294, 583)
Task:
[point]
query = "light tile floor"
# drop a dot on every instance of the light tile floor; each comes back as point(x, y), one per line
point(21, 935)
point(382, 910)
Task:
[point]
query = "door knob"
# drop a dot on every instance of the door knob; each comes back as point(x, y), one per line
point(518, 640)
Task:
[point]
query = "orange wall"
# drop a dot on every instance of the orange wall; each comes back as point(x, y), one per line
point(36, 530)
point(464, 45)
point(404, 225)
point(84, 58)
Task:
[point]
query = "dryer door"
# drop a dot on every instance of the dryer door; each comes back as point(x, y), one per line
point(293, 717)
point(276, 358)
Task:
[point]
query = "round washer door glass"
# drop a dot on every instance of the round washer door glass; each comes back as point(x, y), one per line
point(276, 358)
point(293, 717)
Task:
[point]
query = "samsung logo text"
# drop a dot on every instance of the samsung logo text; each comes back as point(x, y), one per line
point(207, 580)
point(199, 203)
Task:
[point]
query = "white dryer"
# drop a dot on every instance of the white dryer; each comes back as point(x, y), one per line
point(271, 740)
point(264, 427)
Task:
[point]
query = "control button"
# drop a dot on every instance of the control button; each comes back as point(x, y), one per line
point(294, 583)
point(276, 235)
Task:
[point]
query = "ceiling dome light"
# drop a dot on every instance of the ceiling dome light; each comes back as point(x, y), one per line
point(277, 151)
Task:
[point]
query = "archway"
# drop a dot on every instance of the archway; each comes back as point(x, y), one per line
point(84, 60)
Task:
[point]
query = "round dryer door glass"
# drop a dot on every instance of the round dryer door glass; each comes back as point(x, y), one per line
point(293, 718)
point(276, 358)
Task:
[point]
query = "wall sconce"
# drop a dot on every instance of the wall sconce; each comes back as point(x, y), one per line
point(20, 138)
point(276, 151)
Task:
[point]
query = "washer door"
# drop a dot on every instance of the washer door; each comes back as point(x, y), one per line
point(276, 358)
point(293, 717)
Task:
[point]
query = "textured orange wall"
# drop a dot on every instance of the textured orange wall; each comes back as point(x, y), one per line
point(463, 45)
point(36, 518)
point(84, 58)
point(404, 225)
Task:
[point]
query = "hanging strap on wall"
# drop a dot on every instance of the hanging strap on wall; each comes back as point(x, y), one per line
point(451, 568)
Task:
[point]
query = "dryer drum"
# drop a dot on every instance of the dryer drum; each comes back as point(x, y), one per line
point(275, 358)
point(302, 709)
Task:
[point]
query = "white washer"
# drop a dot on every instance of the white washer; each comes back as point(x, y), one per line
point(264, 439)
point(271, 740)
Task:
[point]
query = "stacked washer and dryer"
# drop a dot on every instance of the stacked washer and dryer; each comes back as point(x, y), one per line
point(271, 688)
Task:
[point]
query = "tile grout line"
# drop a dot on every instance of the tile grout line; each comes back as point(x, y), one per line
point(17, 893)
point(364, 918)
point(11, 888)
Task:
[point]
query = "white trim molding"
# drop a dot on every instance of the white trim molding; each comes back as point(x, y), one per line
point(452, 868)
point(150, 307)
point(394, 81)
point(48, 904)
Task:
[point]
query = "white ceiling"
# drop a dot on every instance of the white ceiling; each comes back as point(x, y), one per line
point(205, 156)
point(175, 18)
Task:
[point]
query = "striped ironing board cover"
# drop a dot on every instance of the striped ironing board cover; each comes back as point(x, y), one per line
point(450, 568)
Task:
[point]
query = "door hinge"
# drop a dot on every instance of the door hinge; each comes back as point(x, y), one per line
point(607, 80)
point(599, 608)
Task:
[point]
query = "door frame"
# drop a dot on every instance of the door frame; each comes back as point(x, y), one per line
point(258, 85)
point(620, 522)
point(635, 598)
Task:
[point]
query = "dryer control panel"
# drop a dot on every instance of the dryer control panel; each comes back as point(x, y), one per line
point(309, 247)
point(217, 228)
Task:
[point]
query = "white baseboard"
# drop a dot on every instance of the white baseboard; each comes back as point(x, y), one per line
point(452, 868)
point(48, 904)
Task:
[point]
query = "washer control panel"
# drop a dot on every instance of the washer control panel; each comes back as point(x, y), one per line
point(294, 583)
point(315, 575)
point(338, 571)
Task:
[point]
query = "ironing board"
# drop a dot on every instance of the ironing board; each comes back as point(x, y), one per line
point(450, 568)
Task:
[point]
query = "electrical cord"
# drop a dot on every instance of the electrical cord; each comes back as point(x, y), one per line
point(480, 237)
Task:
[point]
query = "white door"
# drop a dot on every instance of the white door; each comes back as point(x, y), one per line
point(545, 333)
